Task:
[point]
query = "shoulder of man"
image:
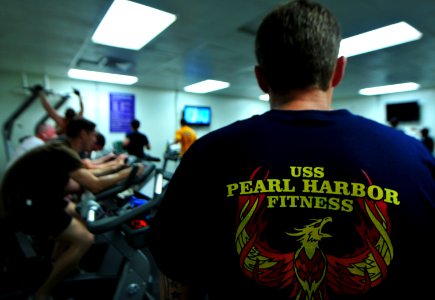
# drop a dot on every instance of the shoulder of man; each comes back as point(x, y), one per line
point(62, 145)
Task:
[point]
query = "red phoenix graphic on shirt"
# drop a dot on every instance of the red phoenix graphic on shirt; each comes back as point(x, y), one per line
point(308, 271)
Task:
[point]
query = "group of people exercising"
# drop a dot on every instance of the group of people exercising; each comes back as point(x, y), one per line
point(39, 185)
point(51, 169)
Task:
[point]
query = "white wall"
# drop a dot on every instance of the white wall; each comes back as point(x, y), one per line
point(159, 111)
point(374, 107)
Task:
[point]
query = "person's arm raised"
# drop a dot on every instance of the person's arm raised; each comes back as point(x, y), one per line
point(49, 109)
point(77, 93)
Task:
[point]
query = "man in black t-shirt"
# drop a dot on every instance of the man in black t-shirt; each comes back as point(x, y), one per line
point(135, 141)
point(302, 201)
point(427, 140)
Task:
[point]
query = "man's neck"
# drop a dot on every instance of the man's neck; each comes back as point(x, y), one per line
point(309, 99)
point(75, 144)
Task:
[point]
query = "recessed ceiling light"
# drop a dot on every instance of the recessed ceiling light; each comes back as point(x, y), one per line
point(131, 25)
point(380, 38)
point(206, 86)
point(102, 77)
point(388, 89)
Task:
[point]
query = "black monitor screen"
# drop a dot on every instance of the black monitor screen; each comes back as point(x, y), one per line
point(406, 111)
point(197, 115)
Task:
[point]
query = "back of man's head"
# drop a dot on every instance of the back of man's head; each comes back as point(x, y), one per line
point(394, 122)
point(70, 113)
point(297, 46)
point(76, 125)
point(183, 122)
point(135, 124)
point(424, 132)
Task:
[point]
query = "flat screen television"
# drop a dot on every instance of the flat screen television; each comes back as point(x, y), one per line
point(197, 115)
point(404, 111)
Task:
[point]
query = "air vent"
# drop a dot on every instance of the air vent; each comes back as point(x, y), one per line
point(106, 62)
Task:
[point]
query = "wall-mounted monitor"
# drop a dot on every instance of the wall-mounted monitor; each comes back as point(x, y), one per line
point(197, 115)
point(404, 111)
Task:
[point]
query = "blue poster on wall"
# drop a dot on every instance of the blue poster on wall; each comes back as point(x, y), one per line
point(121, 111)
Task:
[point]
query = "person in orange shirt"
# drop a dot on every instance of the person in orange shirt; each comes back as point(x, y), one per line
point(185, 136)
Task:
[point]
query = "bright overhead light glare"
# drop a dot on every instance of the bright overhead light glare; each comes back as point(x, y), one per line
point(206, 86)
point(131, 25)
point(380, 38)
point(388, 89)
point(264, 97)
point(101, 76)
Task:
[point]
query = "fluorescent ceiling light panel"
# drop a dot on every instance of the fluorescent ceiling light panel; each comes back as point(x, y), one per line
point(384, 37)
point(388, 89)
point(131, 25)
point(264, 97)
point(206, 86)
point(102, 77)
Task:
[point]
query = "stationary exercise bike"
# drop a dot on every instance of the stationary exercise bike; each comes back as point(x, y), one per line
point(117, 267)
point(119, 218)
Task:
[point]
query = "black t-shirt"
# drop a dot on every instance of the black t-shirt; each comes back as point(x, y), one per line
point(428, 143)
point(298, 203)
point(136, 143)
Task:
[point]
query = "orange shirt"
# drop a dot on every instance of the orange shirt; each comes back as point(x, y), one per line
point(185, 136)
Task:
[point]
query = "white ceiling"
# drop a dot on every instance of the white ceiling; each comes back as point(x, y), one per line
point(211, 39)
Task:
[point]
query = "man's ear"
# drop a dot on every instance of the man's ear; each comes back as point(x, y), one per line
point(261, 79)
point(43, 136)
point(83, 134)
point(338, 74)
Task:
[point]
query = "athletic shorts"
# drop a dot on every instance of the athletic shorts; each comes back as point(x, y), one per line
point(43, 220)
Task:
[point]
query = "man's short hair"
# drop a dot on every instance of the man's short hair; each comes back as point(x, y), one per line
point(425, 131)
point(394, 121)
point(297, 46)
point(45, 132)
point(76, 125)
point(42, 128)
point(101, 141)
point(70, 113)
point(135, 124)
